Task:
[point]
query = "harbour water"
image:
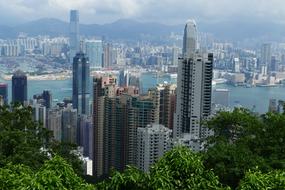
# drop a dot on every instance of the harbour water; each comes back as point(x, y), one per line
point(257, 97)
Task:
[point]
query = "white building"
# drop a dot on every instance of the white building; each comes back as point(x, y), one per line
point(236, 65)
point(87, 166)
point(194, 88)
point(152, 142)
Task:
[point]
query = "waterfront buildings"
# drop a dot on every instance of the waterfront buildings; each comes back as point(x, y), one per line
point(19, 87)
point(152, 142)
point(80, 84)
point(265, 60)
point(194, 88)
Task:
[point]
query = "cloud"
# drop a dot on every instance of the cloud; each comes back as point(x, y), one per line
point(166, 11)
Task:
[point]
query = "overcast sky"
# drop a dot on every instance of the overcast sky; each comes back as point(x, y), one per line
point(164, 11)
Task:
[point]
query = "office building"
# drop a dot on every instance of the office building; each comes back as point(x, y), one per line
point(265, 55)
point(108, 58)
point(19, 87)
point(236, 65)
point(152, 142)
point(39, 113)
point(47, 97)
point(74, 43)
point(123, 78)
point(164, 96)
point(99, 94)
point(4, 92)
point(86, 135)
point(194, 87)
point(175, 53)
point(55, 122)
point(117, 113)
point(69, 124)
point(81, 84)
point(94, 51)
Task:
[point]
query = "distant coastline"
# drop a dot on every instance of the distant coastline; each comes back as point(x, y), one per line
point(42, 77)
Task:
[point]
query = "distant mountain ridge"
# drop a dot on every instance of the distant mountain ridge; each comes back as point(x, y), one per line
point(127, 29)
point(120, 29)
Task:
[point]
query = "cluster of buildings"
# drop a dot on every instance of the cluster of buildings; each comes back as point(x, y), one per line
point(262, 66)
point(111, 121)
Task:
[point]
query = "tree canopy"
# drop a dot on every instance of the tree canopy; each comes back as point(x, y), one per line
point(179, 168)
point(24, 141)
point(244, 141)
point(54, 174)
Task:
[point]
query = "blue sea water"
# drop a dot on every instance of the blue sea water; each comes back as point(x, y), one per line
point(257, 97)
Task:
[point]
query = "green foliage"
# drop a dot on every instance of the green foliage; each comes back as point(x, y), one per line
point(54, 174)
point(66, 150)
point(274, 180)
point(21, 139)
point(131, 178)
point(243, 141)
point(15, 176)
point(180, 168)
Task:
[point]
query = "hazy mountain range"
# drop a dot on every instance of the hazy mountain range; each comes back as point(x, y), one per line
point(130, 29)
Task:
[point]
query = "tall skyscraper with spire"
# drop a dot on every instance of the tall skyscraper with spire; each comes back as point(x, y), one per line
point(74, 34)
point(194, 86)
point(190, 39)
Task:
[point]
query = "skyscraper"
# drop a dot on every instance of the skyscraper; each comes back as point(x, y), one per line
point(4, 92)
point(108, 55)
point(164, 96)
point(39, 113)
point(94, 51)
point(47, 97)
point(69, 124)
point(190, 39)
point(80, 88)
point(117, 113)
point(174, 56)
point(99, 94)
point(74, 34)
point(265, 57)
point(19, 87)
point(266, 53)
point(194, 87)
point(55, 122)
